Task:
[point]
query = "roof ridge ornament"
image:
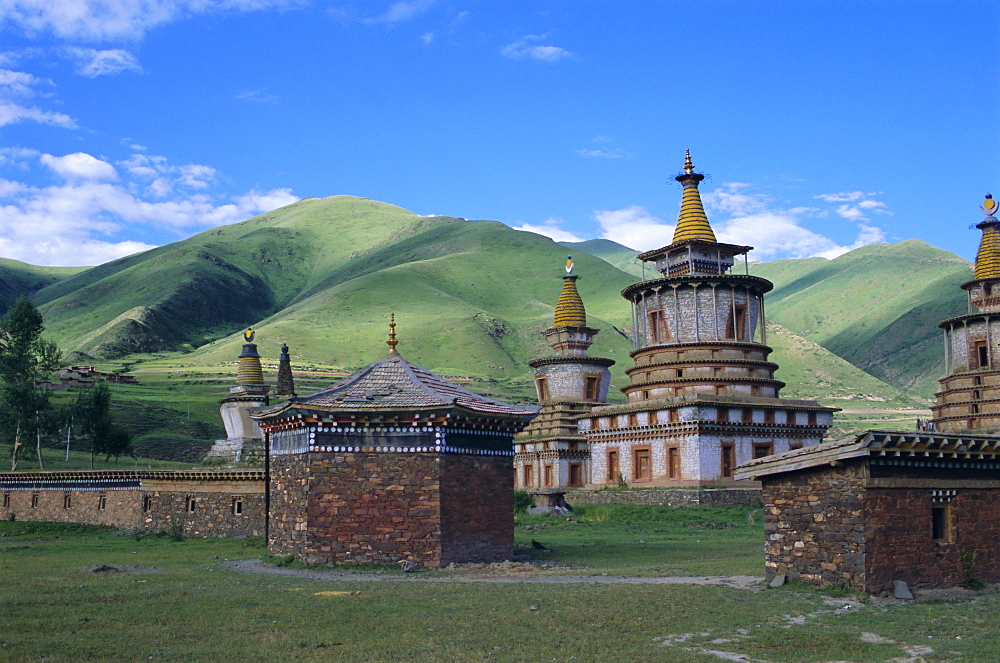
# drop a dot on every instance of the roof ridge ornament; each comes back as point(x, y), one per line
point(688, 165)
point(392, 342)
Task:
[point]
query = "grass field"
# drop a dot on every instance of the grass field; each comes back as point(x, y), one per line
point(177, 602)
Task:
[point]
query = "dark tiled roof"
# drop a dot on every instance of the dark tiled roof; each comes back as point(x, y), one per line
point(957, 449)
point(394, 383)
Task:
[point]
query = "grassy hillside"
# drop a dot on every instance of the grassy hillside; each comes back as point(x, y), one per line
point(877, 307)
point(18, 278)
point(614, 253)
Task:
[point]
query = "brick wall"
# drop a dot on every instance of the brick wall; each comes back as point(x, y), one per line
point(477, 519)
point(121, 508)
point(150, 502)
point(899, 530)
point(363, 507)
point(814, 526)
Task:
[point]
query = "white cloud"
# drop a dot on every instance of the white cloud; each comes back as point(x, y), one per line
point(92, 63)
point(600, 154)
point(634, 227)
point(14, 113)
point(258, 96)
point(18, 86)
point(74, 222)
point(80, 166)
point(115, 19)
point(552, 229)
point(740, 216)
point(527, 48)
point(401, 12)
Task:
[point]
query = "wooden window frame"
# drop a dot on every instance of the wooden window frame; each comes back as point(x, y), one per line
point(638, 452)
point(613, 465)
point(592, 388)
point(727, 459)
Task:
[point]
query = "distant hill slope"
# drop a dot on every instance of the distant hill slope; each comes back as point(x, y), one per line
point(18, 278)
point(877, 307)
point(614, 253)
point(471, 298)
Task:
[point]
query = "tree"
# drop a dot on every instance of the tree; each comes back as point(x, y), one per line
point(25, 360)
point(92, 412)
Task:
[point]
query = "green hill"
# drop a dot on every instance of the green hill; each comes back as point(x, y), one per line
point(18, 278)
point(614, 253)
point(877, 307)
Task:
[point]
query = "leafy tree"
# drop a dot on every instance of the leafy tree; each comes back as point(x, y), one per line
point(92, 412)
point(25, 361)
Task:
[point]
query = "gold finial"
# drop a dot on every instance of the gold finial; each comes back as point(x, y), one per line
point(989, 206)
point(248, 335)
point(392, 342)
point(688, 166)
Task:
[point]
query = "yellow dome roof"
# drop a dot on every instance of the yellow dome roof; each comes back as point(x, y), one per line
point(988, 257)
point(692, 224)
point(569, 308)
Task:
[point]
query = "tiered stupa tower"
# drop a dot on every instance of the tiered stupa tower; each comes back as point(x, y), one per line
point(551, 453)
point(969, 399)
point(243, 435)
point(702, 396)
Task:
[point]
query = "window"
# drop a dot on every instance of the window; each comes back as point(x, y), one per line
point(237, 505)
point(542, 385)
point(812, 418)
point(674, 463)
point(191, 504)
point(641, 469)
point(573, 446)
point(737, 323)
point(34, 500)
point(768, 416)
point(747, 416)
point(657, 328)
point(633, 420)
point(529, 476)
point(728, 460)
point(575, 474)
point(147, 502)
point(548, 475)
point(672, 417)
point(592, 387)
point(981, 353)
point(67, 501)
point(6, 500)
point(762, 450)
point(613, 466)
point(102, 502)
point(941, 523)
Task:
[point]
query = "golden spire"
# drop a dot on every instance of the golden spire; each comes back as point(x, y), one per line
point(688, 166)
point(392, 342)
point(692, 223)
point(569, 308)
point(988, 257)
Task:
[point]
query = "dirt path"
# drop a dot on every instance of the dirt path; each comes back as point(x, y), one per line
point(493, 573)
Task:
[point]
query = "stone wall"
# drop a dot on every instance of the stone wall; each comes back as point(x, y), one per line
point(108, 508)
point(358, 507)
point(666, 497)
point(205, 503)
point(477, 521)
point(814, 527)
point(899, 531)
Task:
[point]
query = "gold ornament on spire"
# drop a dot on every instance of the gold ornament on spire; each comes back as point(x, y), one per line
point(392, 342)
point(692, 223)
point(688, 166)
point(989, 206)
point(248, 335)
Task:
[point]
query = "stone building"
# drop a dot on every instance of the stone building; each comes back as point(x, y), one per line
point(969, 399)
point(200, 503)
point(922, 508)
point(702, 396)
point(551, 453)
point(393, 463)
point(243, 437)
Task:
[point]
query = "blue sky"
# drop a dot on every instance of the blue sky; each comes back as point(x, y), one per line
point(821, 126)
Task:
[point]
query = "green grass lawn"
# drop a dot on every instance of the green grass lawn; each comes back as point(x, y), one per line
point(181, 604)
